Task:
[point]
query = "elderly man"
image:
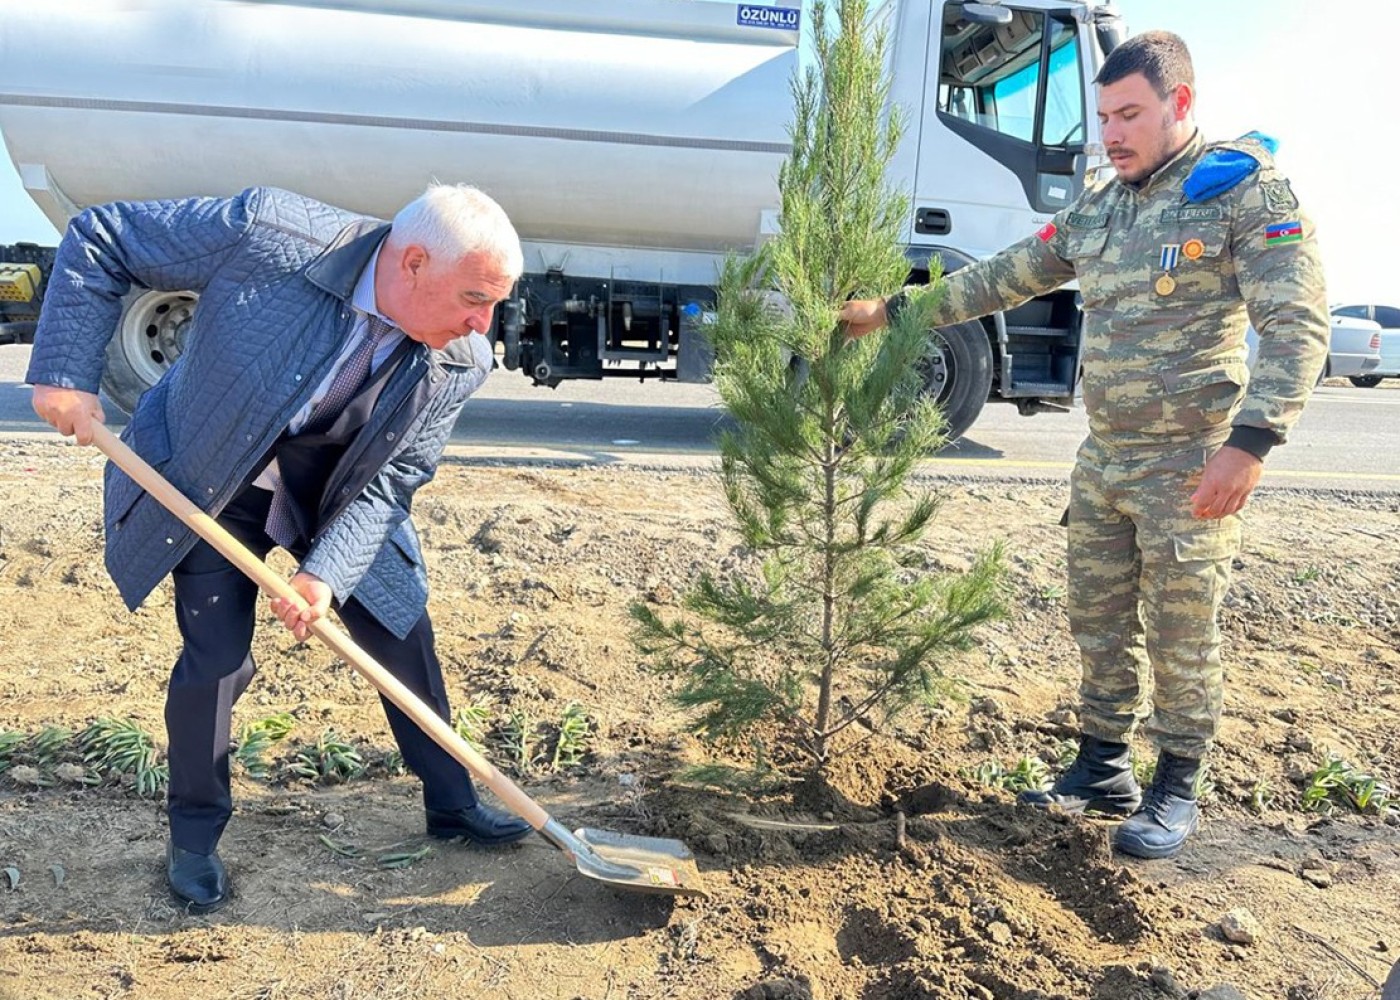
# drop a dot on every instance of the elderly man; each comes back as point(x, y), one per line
point(322, 374)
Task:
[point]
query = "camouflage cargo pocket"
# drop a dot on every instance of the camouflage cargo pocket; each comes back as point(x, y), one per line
point(1202, 400)
point(1204, 269)
point(1212, 541)
point(1085, 242)
point(1083, 249)
point(1133, 403)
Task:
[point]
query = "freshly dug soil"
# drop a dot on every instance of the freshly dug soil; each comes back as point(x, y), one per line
point(810, 894)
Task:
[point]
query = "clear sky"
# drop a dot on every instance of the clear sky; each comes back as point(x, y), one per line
point(1316, 76)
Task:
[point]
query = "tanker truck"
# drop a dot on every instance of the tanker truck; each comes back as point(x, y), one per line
point(634, 143)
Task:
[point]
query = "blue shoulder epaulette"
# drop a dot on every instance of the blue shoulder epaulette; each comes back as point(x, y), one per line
point(1221, 169)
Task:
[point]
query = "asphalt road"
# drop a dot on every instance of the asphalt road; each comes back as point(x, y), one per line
point(1348, 438)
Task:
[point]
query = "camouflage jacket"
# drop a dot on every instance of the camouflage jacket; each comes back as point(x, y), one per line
point(1164, 357)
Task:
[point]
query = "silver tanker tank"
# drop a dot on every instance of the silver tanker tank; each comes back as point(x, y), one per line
point(612, 123)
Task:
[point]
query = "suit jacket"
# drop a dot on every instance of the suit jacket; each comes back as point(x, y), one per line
point(275, 272)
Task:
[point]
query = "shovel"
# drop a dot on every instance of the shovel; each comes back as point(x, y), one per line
point(642, 864)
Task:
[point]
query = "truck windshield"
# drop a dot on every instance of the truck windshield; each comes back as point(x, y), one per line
point(1016, 91)
point(1005, 77)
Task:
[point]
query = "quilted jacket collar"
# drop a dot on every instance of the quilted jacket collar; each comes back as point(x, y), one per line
point(338, 267)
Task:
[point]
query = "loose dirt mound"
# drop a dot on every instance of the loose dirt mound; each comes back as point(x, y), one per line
point(813, 892)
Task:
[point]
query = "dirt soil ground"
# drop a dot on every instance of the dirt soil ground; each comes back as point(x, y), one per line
point(533, 571)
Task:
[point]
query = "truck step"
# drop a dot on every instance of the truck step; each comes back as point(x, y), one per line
point(635, 354)
point(1023, 388)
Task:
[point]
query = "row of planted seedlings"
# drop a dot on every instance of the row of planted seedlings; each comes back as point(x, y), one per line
point(120, 753)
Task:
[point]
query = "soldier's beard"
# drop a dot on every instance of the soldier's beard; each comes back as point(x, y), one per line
point(1151, 162)
point(1135, 175)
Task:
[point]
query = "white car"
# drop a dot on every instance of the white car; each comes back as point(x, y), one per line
point(1354, 351)
point(1388, 319)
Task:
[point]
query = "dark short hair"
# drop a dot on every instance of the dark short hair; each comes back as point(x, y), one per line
point(1160, 56)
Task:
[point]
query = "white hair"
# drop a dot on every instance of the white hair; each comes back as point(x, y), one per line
point(451, 221)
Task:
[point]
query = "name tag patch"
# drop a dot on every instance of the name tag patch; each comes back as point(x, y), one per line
point(1193, 213)
point(1079, 220)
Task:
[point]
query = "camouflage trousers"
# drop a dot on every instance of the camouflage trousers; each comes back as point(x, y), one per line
point(1146, 580)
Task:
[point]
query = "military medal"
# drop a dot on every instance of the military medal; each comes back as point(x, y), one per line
point(1171, 253)
point(1192, 249)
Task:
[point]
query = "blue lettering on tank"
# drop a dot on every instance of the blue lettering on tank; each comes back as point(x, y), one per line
point(786, 18)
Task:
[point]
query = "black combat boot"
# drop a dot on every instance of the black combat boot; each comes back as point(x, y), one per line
point(1169, 813)
point(1100, 780)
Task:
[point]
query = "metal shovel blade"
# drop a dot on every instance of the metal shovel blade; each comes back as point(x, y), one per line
point(642, 864)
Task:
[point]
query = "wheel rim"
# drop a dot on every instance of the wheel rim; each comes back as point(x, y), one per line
point(152, 333)
point(940, 371)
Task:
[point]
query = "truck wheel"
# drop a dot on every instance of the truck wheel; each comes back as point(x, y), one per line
point(150, 336)
point(1365, 381)
point(958, 375)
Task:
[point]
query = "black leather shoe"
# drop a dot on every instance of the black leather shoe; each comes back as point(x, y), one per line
point(197, 881)
point(480, 824)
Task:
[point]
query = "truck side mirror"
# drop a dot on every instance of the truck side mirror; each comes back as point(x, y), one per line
point(1110, 28)
point(986, 13)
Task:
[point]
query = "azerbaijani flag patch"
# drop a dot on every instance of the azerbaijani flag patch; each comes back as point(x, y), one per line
point(1283, 232)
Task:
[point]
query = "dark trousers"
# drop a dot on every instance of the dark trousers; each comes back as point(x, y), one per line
point(215, 608)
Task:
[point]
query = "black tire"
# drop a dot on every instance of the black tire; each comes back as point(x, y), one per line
point(959, 375)
point(150, 335)
point(1365, 381)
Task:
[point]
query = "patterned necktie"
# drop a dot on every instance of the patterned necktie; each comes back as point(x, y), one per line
point(349, 379)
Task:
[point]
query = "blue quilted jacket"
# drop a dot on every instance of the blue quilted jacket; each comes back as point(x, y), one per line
point(275, 272)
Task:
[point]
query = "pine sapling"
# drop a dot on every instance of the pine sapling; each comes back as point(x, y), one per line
point(835, 621)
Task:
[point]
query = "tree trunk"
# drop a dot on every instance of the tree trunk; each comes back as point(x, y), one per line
point(828, 600)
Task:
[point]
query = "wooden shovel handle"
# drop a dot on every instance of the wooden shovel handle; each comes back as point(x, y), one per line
point(274, 586)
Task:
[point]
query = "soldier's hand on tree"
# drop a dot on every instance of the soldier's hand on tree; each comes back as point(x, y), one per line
point(69, 411)
point(862, 316)
point(317, 595)
point(1229, 478)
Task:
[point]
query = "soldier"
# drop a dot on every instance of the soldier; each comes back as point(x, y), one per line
point(1173, 254)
